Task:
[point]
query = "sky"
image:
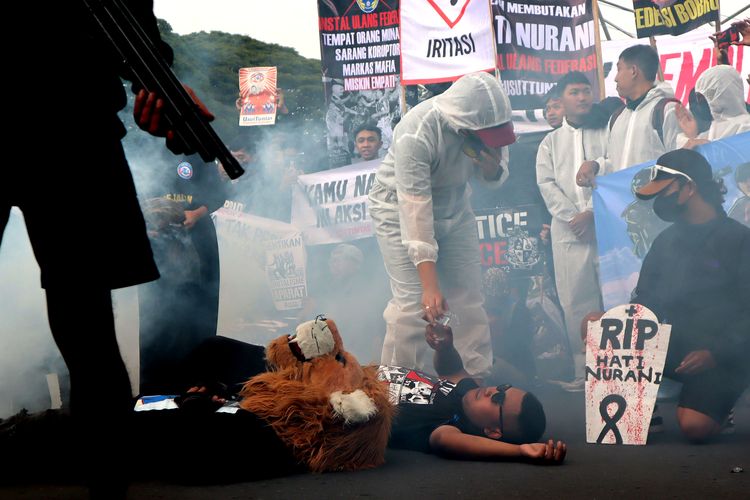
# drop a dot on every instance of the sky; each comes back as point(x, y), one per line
point(294, 23)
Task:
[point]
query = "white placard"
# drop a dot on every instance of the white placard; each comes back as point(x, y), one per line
point(331, 206)
point(441, 40)
point(625, 354)
point(259, 257)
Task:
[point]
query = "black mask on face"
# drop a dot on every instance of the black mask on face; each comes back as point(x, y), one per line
point(667, 207)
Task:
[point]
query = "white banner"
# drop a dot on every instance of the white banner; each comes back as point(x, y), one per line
point(331, 206)
point(442, 40)
point(683, 59)
point(259, 258)
point(625, 354)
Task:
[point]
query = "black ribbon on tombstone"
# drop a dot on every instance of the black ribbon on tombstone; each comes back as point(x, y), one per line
point(610, 422)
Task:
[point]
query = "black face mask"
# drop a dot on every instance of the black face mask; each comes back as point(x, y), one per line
point(667, 208)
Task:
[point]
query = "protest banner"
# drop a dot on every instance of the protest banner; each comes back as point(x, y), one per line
point(626, 226)
point(672, 17)
point(443, 40)
point(331, 206)
point(683, 59)
point(260, 258)
point(625, 354)
point(257, 101)
point(539, 41)
point(360, 57)
point(508, 239)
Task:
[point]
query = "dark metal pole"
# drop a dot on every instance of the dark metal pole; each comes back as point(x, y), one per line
point(618, 28)
point(603, 24)
point(611, 4)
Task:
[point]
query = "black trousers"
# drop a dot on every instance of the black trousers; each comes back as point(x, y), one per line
point(207, 446)
point(196, 447)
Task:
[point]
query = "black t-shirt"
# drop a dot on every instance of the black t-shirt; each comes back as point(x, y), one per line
point(425, 402)
point(186, 179)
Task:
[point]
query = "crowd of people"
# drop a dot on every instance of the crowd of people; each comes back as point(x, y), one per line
point(696, 274)
point(673, 281)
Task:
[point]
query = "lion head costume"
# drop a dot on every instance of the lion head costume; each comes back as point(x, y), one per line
point(327, 408)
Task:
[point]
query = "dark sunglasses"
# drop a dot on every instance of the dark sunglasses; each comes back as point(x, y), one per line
point(472, 146)
point(499, 398)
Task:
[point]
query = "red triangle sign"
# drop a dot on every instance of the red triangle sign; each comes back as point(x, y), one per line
point(456, 11)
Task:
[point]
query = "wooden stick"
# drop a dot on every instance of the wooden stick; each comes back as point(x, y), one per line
point(598, 41)
point(652, 41)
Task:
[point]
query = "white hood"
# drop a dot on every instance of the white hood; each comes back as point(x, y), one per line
point(475, 101)
point(722, 88)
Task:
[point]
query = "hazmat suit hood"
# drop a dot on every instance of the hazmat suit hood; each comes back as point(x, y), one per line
point(723, 90)
point(632, 138)
point(475, 101)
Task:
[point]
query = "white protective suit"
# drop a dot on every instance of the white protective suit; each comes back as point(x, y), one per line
point(576, 272)
point(634, 140)
point(419, 205)
point(723, 90)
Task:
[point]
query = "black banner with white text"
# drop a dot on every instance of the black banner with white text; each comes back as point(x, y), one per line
point(539, 41)
point(672, 17)
point(361, 59)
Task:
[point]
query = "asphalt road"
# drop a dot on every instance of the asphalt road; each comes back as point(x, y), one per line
point(668, 467)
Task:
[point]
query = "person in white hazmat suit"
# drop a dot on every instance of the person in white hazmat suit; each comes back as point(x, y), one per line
point(424, 224)
point(647, 127)
point(572, 232)
point(722, 88)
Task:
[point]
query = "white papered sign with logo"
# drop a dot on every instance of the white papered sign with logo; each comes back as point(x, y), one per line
point(260, 259)
point(442, 40)
point(625, 354)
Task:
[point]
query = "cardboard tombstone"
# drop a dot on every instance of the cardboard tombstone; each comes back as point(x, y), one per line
point(625, 354)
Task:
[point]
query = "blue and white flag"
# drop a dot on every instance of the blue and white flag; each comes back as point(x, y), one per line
point(626, 226)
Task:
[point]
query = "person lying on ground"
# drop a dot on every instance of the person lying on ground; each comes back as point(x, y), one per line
point(452, 416)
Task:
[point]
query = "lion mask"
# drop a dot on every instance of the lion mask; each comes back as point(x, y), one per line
point(328, 409)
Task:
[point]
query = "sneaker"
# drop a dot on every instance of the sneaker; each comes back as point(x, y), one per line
point(728, 428)
point(656, 426)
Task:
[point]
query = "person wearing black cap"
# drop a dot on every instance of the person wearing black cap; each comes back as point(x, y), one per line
point(696, 277)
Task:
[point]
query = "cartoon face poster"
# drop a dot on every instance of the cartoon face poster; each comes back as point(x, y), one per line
point(257, 101)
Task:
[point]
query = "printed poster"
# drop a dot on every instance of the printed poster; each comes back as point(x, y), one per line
point(257, 101)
